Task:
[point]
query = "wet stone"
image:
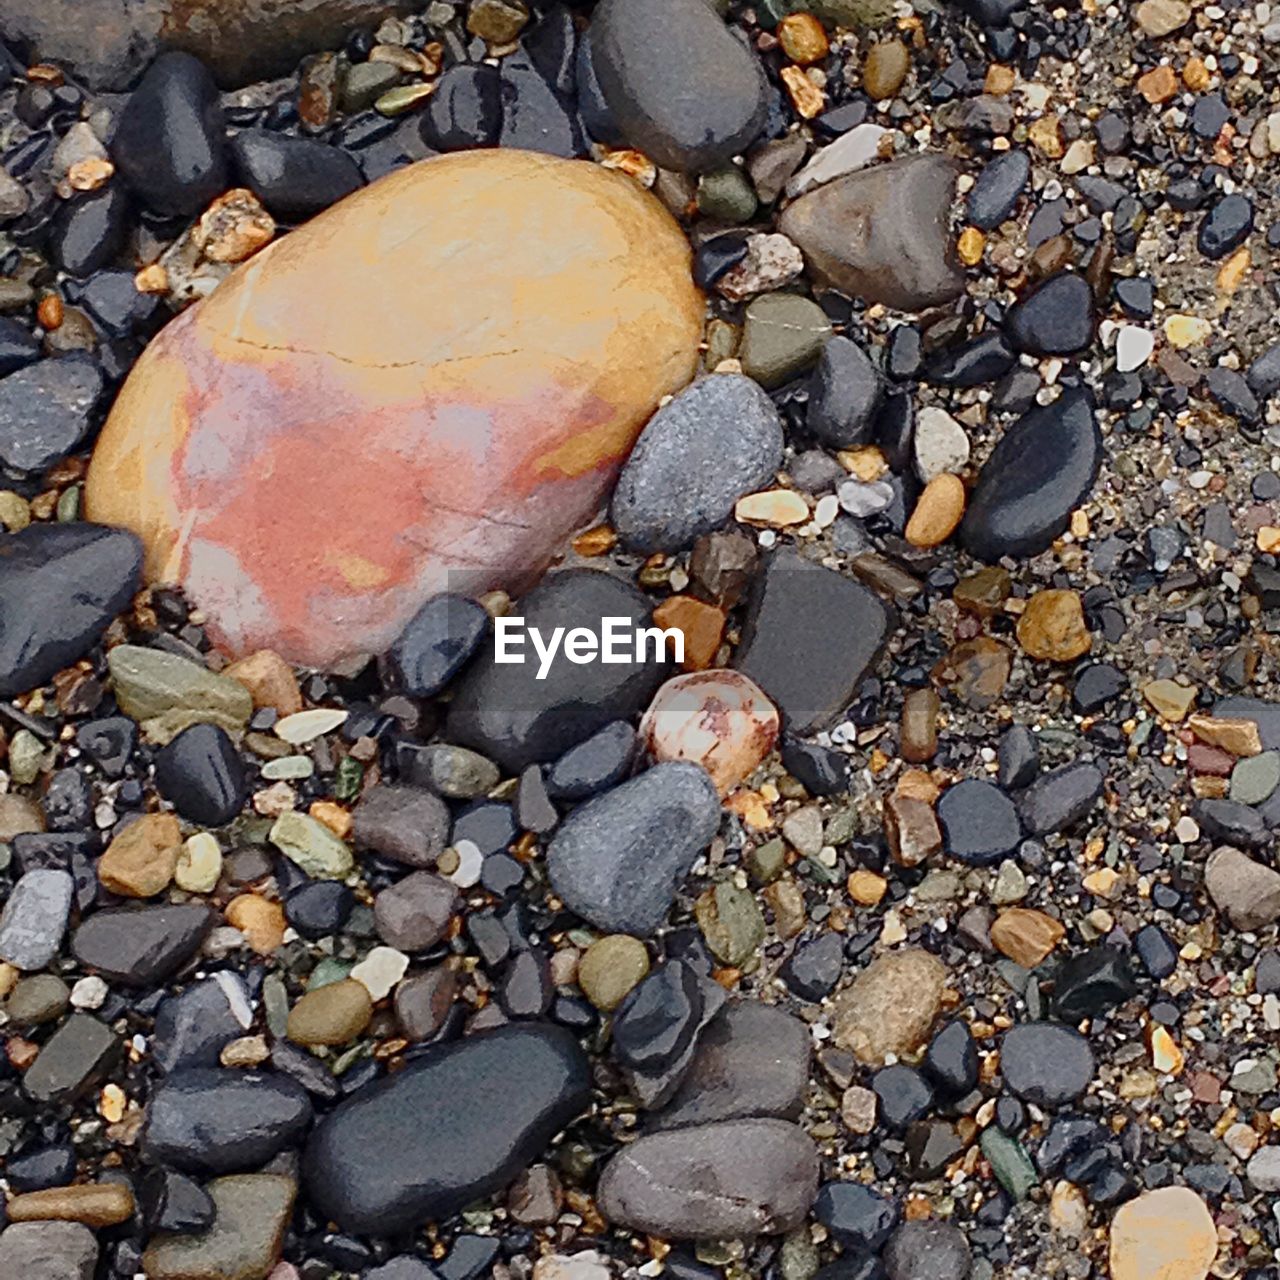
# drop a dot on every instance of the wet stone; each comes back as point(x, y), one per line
point(169, 145)
point(466, 109)
point(995, 194)
point(1093, 982)
point(600, 762)
point(813, 968)
point(927, 1251)
point(610, 968)
point(423, 1001)
point(1057, 800)
point(717, 440)
point(46, 410)
point(38, 999)
point(74, 1059)
point(486, 1106)
point(951, 1060)
point(844, 392)
point(1255, 778)
point(617, 860)
point(731, 1179)
point(295, 178)
point(193, 1025)
point(200, 772)
point(407, 824)
point(1045, 1063)
point(166, 693)
point(436, 644)
point(1225, 227)
point(1039, 472)
point(979, 822)
point(1056, 318)
point(656, 1029)
point(783, 335)
point(1018, 756)
point(141, 945)
point(1245, 891)
point(857, 1216)
point(691, 101)
point(809, 637)
point(891, 1006)
point(34, 918)
point(731, 922)
point(413, 914)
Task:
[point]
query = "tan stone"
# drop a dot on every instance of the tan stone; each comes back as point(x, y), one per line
point(911, 828)
point(1158, 85)
point(776, 508)
point(330, 1015)
point(97, 1204)
point(1167, 1234)
point(259, 919)
point(887, 65)
point(270, 681)
point(1169, 699)
point(865, 887)
point(891, 1006)
point(140, 861)
point(919, 734)
point(721, 720)
point(199, 863)
point(937, 511)
point(1236, 736)
point(701, 624)
point(1052, 627)
point(310, 474)
point(1026, 936)
point(18, 816)
point(803, 38)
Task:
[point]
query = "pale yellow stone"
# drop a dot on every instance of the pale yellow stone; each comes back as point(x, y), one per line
point(867, 463)
point(1184, 331)
point(1101, 883)
point(1170, 699)
point(199, 864)
point(1239, 737)
point(1166, 1057)
point(1068, 1212)
point(1167, 1234)
point(775, 508)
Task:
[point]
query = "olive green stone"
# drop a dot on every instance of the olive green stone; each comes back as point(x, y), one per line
point(335, 1014)
point(853, 13)
point(26, 755)
point(731, 922)
point(497, 21)
point(365, 82)
point(312, 846)
point(611, 967)
point(765, 862)
point(329, 970)
point(1255, 777)
point(166, 693)
point(783, 335)
point(15, 513)
point(251, 1212)
point(68, 508)
point(40, 998)
point(1009, 1162)
point(404, 97)
point(726, 195)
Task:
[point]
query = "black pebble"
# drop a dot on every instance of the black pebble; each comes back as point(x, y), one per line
point(200, 772)
point(294, 178)
point(466, 109)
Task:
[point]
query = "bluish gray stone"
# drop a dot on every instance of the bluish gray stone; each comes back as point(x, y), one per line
point(35, 918)
point(717, 440)
point(618, 859)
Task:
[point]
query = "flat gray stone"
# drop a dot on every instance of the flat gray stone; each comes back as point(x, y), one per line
point(35, 918)
point(47, 1251)
point(1245, 891)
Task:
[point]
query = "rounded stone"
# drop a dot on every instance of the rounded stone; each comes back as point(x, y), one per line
point(394, 447)
point(1052, 626)
point(610, 968)
point(333, 1014)
point(1166, 1234)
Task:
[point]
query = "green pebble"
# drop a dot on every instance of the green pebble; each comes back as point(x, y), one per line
point(347, 780)
point(275, 1003)
point(288, 768)
point(726, 195)
point(1009, 1162)
point(840, 827)
point(365, 82)
point(1255, 777)
point(395, 102)
point(26, 755)
point(783, 335)
point(798, 1258)
point(731, 922)
point(770, 12)
point(312, 846)
point(765, 862)
point(853, 13)
point(611, 967)
point(166, 693)
point(68, 508)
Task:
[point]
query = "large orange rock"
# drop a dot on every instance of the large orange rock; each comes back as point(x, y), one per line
point(430, 385)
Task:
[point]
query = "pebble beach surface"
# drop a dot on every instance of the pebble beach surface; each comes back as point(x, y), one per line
point(916, 363)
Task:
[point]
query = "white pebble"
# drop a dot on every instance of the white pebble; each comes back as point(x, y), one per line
point(380, 970)
point(89, 993)
point(306, 726)
point(470, 861)
point(1134, 346)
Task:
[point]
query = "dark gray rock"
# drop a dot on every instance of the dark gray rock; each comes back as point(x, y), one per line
point(678, 84)
point(752, 1060)
point(995, 194)
point(46, 410)
point(483, 1109)
point(718, 1181)
point(170, 144)
point(406, 824)
point(618, 859)
point(295, 178)
point(1046, 1063)
point(809, 637)
point(1054, 319)
point(1059, 799)
point(202, 775)
point(845, 390)
point(979, 822)
point(506, 712)
point(74, 1059)
point(717, 440)
point(413, 914)
point(882, 234)
point(35, 918)
point(439, 639)
point(141, 945)
point(48, 1251)
point(192, 1026)
point(1040, 471)
point(927, 1250)
point(215, 1120)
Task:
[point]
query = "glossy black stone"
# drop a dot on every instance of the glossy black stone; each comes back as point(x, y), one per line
point(90, 231)
point(1158, 955)
point(602, 761)
point(820, 770)
point(813, 968)
point(951, 1059)
point(170, 144)
point(18, 346)
point(855, 1214)
point(41, 1167)
point(903, 1095)
point(193, 1025)
point(466, 109)
point(986, 358)
point(295, 178)
point(1040, 471)
point(215, 1120)
point(202, 775)
point(1057, 800)
point(320, 908)
point(995, 194)
point(1225, 227)
point(60, 587)
point(139, 946)
point(436, 644)
point(46, 410)
point(173, 1202)
point(484, 1108)
point(1093, 982)
point(1055, 319)
point(108, 742)
point(1096, 685)
point(534, 116)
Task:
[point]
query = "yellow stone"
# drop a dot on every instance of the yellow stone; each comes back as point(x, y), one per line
point(1183, 331)
point(1052, 626)
point(259, 919)
point(1268, 538)
point(1170, 699)
point(1101, 883)
point(199, 864)
point(803, 38)
point(1237, 736)
point(95, 1204)
point(776, 508)
point(1166, 1057)
point(970, 245)
point(999, 80)
point(140, 861)
point(1234, 270)
point(1046, 136)
point(866, 888)
point(497, 326)
point(1026, 936)
point(866, 463)
point(1167, 1234)
point(937, 511)
point(806, 97)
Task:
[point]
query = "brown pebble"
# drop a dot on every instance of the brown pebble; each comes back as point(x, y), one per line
point(1052, 627)
point(270, 681)
point(259, 919)
point(95, 1204)
point(886, 69)
point(141, 860)
point(802, 38)
point(937, 511)
point(920, 725)
point(1026, 936)
point(1158, 85)
point(49, 311)
point(330, 1015)
point(701, 624)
